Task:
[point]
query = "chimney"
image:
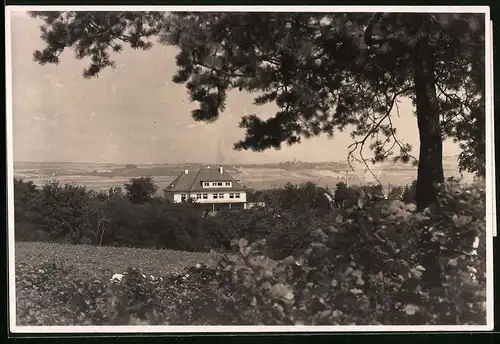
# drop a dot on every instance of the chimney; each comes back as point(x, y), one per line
point(186, 171)
point(221, 169)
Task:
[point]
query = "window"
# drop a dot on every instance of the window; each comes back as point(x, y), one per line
point(221, 195)
point(206, 184)
point(214, 184)
point(198, 196)
point(237, 195)
point(205, 196)
point(219, 184)
point(228, 184)
point(215, 196)
point(231, 195)
point(183, 197)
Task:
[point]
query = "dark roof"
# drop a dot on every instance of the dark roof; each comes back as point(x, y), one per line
point(191, 181)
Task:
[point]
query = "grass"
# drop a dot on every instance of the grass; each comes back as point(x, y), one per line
point(75, 292)
point(108, 260)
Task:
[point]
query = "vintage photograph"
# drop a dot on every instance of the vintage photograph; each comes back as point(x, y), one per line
point(314, 168)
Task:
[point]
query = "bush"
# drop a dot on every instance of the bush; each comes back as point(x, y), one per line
point(345, 196)
point(192, 298)
point(370, 267)
point(72, 214)
point(157, 224)
point(298, 198)
point(409, 192)
point(286, 231)
point(50, 294)
point(395, 193)
point(141, 190)
point(25, 194)
point(59, 211)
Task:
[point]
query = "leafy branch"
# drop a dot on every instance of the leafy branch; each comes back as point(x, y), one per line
point(358, 145)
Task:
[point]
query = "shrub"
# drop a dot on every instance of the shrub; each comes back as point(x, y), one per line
point(220, 230)
point(409, 192)
point(158, 224)
point(25, 194)
point(289, 233)
point(345, 196)
point(286, 231)
point(298, 198)
point(72, 214)
point(191, 298)
point(50, 294)
point(395, 193)
point(60, 211)
point(140, 190)
point(369, 267)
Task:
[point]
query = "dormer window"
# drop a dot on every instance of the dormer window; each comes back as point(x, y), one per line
point(206, 184)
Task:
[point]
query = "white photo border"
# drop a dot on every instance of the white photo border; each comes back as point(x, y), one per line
point(490, 184)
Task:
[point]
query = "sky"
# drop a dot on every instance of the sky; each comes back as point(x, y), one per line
point(136, 114)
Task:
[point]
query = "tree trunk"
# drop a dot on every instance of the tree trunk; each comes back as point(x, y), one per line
point(430, 167)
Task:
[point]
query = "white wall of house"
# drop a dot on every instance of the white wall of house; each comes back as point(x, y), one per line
point(177, 197)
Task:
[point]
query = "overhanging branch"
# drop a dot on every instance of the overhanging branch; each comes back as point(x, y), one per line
point(359, 145)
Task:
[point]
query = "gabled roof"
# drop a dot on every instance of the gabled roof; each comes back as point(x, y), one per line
point(192, 181)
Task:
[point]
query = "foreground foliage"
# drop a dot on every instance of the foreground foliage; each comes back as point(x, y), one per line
point(375, 265)
point(377, 262)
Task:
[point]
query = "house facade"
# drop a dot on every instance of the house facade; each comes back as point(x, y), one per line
point(213, 188)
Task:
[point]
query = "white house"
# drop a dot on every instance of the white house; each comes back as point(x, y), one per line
point(212, 187)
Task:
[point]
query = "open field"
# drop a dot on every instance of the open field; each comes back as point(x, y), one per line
point(73, 288)
point(108, 260)
point(254, 177)
point(95, 182)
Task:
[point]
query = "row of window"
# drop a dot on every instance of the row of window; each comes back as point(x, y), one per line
point(217, 184)
point(215, 196)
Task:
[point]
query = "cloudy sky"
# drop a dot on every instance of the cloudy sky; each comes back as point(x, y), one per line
point(135, 114)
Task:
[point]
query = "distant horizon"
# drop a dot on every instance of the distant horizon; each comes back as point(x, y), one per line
point(172, 163)
point(205, 162)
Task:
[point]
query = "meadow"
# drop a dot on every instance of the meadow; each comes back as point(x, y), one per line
point(70, 284)
point(107, 260)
